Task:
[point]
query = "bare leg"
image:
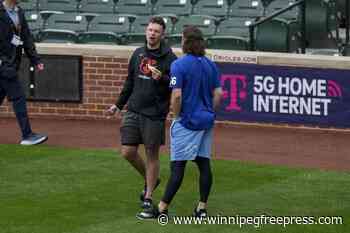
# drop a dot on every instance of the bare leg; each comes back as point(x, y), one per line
point(152, 171)
point(131, 155)
point(162, 206)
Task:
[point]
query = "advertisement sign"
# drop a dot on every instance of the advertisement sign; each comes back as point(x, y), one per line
point(276, 94)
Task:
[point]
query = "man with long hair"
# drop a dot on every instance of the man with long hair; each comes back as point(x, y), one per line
point(196, 92)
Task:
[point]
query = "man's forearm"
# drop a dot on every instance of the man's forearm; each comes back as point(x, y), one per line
point(125, 93)
point(217, 98)
point(176, 103)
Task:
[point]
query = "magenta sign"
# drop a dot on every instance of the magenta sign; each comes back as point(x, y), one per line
point(275, 94)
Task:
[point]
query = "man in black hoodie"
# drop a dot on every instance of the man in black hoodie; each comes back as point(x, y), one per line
point(147, 92)
point(14, 37)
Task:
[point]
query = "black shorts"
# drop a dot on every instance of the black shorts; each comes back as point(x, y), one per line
point(138, 129)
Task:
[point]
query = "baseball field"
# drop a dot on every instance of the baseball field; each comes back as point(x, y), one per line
point(50, 189)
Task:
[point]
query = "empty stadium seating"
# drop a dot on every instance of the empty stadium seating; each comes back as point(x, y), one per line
point(277, 35)
point(98, 6)
point(177, 7)
point(29, 5)
point(232, 34)
point(247, 8)
point(280, 4)
point(136, 36)
point(63, 28)
point(346, 50)
point(106, 29)
point(321, 24)
point(218, 8)
point(206, 23)
point(225, 23)
point(58, 5)
point(34, 22)
point(138, 7)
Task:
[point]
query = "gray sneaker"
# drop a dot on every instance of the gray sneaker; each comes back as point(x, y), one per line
point(34, 139)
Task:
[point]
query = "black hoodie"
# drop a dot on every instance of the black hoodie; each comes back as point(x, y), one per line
point(145, 95)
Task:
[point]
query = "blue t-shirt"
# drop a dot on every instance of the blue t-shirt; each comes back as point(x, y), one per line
point(197, 77)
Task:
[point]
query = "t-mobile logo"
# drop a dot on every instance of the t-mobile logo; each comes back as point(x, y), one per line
point(235, 89)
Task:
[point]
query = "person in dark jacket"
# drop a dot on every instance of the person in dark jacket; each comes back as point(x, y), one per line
point(14, 37)
point(147, 92)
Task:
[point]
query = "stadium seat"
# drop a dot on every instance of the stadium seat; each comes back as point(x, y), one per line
point(217, 8)
point(265, 3)
point(34, 22)
point(170, 21)
point(277, 5)
point(247, 8)
point(63, 28)
point(228, 43)
point(281, 34)
point(45, 16)
point(137, 35)
point(98, 6)
point(207, 24)
point(278, 35)
point(177, 7)
point(232, 34)
point(346, 50)
point(106, 29)
point(137, 7)
point(321, 24)
point(29, 5)
point(59, 5)
point(235, 26)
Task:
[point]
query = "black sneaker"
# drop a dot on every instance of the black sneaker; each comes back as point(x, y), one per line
point(202, 213)
point(149, 211)
point(143, 193)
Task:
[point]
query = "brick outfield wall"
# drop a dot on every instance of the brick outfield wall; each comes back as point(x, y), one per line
point(103, 78)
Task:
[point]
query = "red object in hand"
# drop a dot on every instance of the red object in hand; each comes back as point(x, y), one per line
point(40, 66)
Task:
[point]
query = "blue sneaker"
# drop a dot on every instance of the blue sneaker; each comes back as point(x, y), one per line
point(34, 139)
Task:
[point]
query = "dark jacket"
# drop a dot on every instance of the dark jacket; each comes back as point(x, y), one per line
point(10, 55)
point(145, 95)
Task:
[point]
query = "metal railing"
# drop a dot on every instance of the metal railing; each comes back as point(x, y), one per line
point(277, 13)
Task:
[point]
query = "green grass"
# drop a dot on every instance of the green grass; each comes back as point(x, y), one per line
point(55, 190)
